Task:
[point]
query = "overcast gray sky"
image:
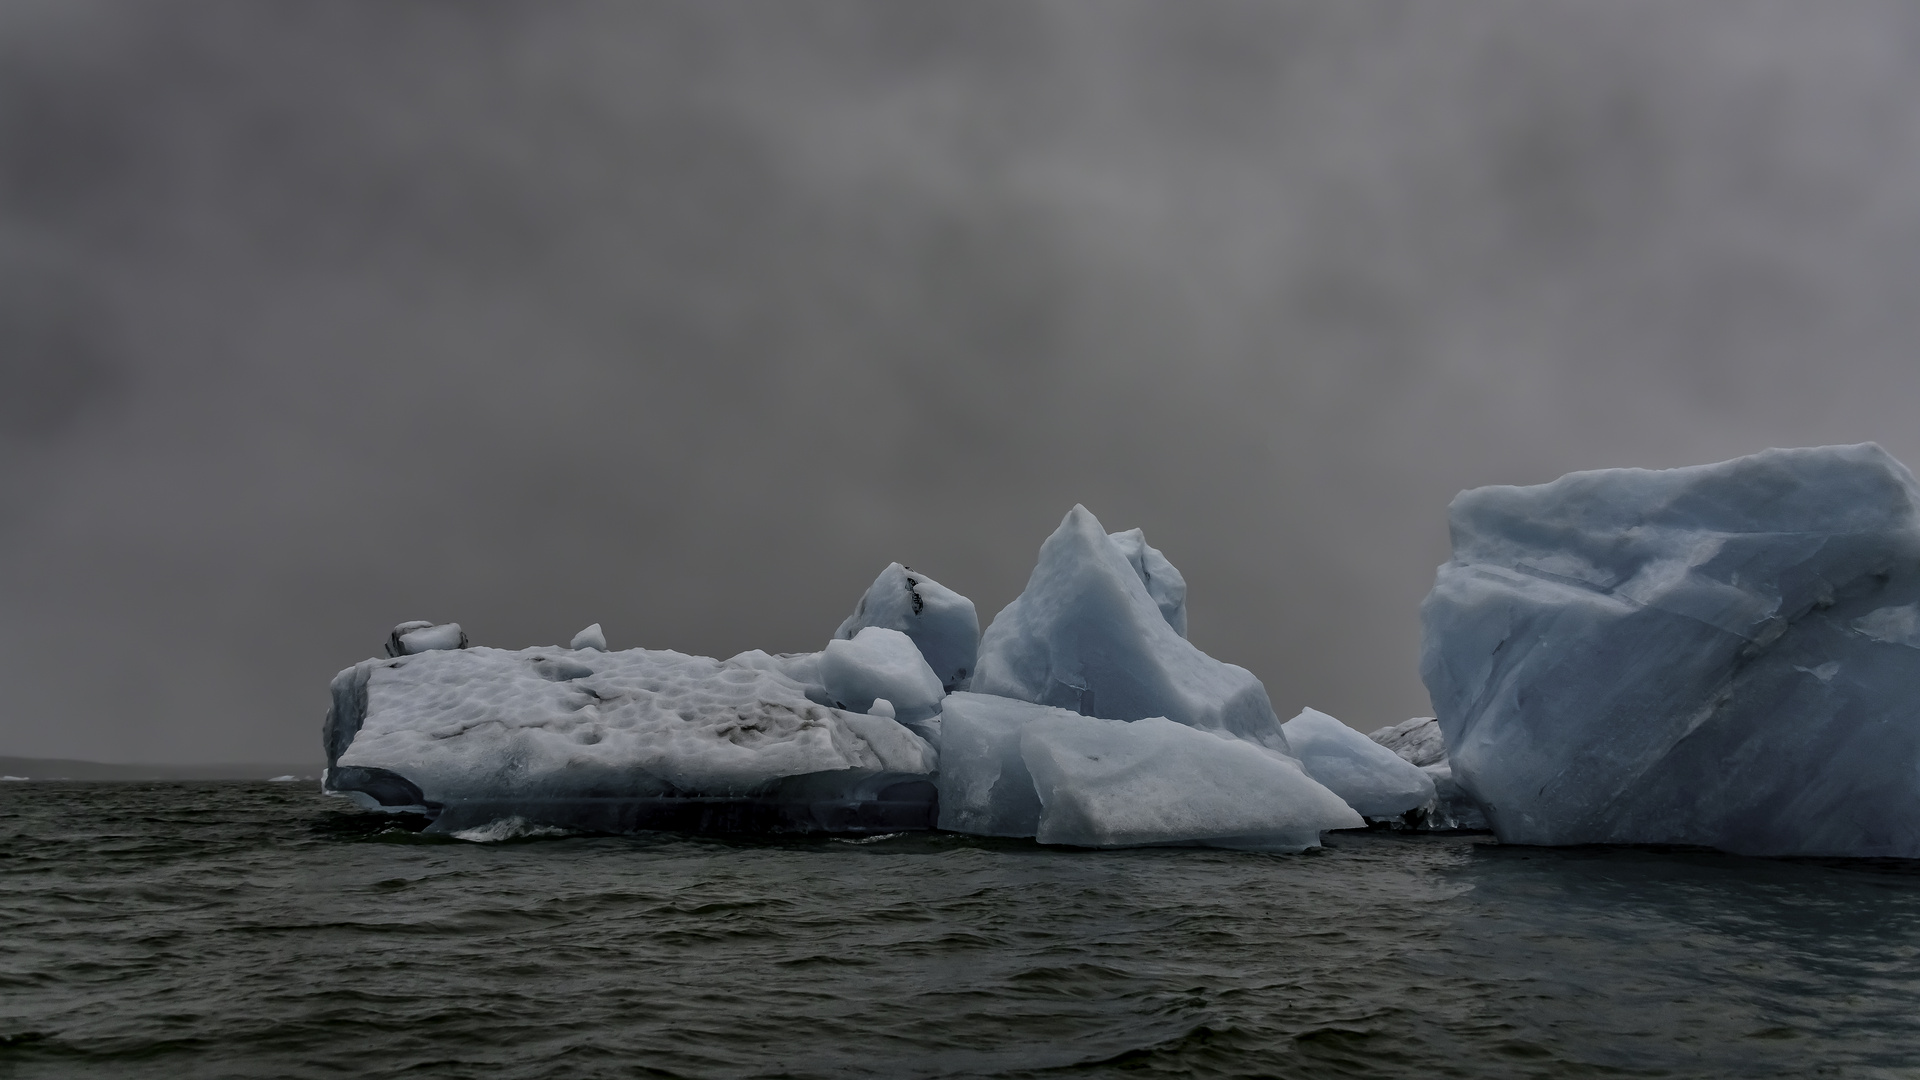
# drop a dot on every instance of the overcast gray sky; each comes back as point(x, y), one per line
point(686, 318)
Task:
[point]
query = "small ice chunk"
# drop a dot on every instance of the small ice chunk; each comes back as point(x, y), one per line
point(941, 622)
point(985, 788)
point(1107, 783)
point(802, 669)
point(590, 638)
point(880, 663)
point(882, 707)
point(421, 636)
point(1371, 778)
point(1086, 635)
point(1164, 583)
point(1418, 741)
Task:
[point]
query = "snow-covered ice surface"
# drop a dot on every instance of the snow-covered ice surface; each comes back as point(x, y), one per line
point(880, 663)
point(1371, 778)
point(1723, 655)
point(802, 669)
point(1108, 783)
point(940, 621)
point(560, 736)
point(1087, 636)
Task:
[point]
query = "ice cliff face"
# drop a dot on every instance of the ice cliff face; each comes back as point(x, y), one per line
point(1726, 655)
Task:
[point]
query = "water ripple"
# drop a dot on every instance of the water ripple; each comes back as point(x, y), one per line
point(164, 930)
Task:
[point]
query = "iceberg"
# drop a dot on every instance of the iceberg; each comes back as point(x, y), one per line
point(1722, 655)
point(1013, 768)
point(1371, 778)
point(1110, 783)
point(880, 664)
point(1086, 635)
point(1082, 717)
point(1418, 742)
point(421, 636)
point(941, 622)
point(614, 741)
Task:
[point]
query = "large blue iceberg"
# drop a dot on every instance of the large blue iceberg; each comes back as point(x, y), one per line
point(1091, 721)
point(1726, 655)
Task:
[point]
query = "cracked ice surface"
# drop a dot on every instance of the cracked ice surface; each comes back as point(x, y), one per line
point(1723, 655)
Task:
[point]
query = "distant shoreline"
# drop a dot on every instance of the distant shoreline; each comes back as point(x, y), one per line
point(26, 768)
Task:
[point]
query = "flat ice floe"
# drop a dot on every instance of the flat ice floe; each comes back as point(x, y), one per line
point(1724, 655)
point(529, 730)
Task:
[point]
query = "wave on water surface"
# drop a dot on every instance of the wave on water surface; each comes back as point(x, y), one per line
point(228, 929)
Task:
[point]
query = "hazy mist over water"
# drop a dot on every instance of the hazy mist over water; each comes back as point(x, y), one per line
point(688, 318)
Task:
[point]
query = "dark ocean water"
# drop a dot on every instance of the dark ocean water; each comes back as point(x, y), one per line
point(235, 929)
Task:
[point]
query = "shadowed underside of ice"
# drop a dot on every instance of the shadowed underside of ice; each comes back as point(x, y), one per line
point(585, 738)
point(1371, 778)
point(1087, 635)
point(1725, 655)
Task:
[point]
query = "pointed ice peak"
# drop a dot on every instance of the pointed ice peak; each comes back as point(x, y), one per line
point(1164, 583)
point(590, 638)
point(1087, 636)
point(941, 622)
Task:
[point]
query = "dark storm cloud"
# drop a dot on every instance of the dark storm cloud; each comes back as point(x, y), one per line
point(687, 318)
